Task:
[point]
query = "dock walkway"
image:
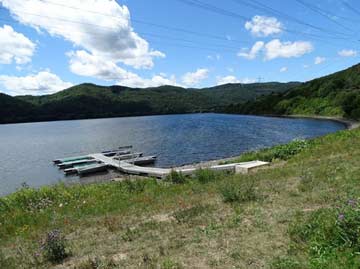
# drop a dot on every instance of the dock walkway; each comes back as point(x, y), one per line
point(129, 168)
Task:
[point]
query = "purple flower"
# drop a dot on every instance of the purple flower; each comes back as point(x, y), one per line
point(352, 202)
point(341, 217)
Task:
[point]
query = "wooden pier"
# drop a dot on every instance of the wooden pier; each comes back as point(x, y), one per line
point(101, 161)
point(132, 169)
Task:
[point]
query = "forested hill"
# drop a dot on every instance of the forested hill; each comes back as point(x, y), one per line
point(93, 101)
point(333, 95)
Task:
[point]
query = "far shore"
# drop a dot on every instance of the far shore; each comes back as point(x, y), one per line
point(350, 124)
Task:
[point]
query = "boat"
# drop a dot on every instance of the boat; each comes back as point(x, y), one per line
point(71, 164)
point(116, 152)
point(119, 149)
point(98, 167)
point(142, 160)
point(128, 156)
point(71, 159)
point(74, 169)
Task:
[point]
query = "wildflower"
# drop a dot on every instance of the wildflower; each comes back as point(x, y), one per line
point(352, 202)
point(84, 202)
point(61, 205)
point(341, 217)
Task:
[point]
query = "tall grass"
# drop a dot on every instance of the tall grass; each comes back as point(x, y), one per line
point(280, 152)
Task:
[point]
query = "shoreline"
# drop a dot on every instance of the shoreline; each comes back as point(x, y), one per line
point(115, 176)
point(349, 125)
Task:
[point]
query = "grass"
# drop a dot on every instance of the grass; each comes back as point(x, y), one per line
point(280, 152)
point(299, 213)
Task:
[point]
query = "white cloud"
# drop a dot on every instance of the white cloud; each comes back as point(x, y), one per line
point(347, 53)
point(133, 80)
point(319, 60)
point(110, 37)
point(247, 80)
point(263, 26)
point(85, 64)
point(277, 49)
point(43, 82)
point(250, 55)
point(193, 78)
point(232, 79)
point(283, 69)
point(214, 57)
point(15, 47)
point(226, 80)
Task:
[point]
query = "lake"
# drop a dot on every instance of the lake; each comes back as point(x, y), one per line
point(27, 150)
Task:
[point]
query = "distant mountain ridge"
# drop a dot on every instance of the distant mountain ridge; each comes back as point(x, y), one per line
point(93, 101)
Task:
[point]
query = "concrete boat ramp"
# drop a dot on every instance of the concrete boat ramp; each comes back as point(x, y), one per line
point(99, 162)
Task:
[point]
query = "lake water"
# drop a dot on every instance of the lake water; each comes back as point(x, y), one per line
point(27, 150)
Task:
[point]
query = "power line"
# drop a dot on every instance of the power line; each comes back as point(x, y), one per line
point(322, 13)
point(262, 7)
point(178, 29)
point(151, 24)
point(199, 4)
point(214, 48)
point(351, 7)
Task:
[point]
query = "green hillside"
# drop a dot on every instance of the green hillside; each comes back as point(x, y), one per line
point(333, 95)
point(93, 101)
point(13, 109)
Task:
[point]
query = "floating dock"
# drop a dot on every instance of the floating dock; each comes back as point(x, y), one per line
point(129, 163)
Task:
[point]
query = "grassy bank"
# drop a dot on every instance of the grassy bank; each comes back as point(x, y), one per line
point(302, 212)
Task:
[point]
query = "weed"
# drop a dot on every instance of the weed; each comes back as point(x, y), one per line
point(176, 177)
point(54, 247)
point(206, 175)
point(210, 229)
point(307, 181)
point(96, 263)
point(186, 215)
point(281, 152)
point(111, 223)
point(130, 234)
point(6, 262)
point(134, 186)
point(238, 192)
point(170, 264)
point(331, 236)
point(285, 263)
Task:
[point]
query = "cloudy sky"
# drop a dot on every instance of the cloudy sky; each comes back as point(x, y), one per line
point(50, 45)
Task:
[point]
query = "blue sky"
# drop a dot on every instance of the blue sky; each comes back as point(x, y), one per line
point(48, 45)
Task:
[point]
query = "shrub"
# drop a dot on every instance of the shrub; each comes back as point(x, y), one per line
point(134, 186)
point(205, 175)
point(54, 247)
point(331, 236)
point(285, 152)
point(281, 152)
point(238, 192)
point(176, 177)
